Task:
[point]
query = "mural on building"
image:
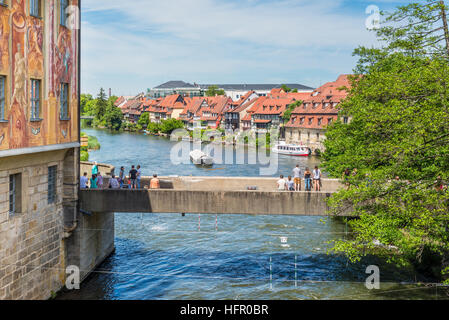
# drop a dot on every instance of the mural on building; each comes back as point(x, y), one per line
point(39, 49)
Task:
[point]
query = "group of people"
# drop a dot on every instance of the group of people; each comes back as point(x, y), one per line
point(312, 179)
point(133, 179)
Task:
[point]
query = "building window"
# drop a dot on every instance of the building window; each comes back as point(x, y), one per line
point(52, 184)
point(2, 97)
point(35, 99)
point(64, 114)
point(310, 121)
point(64, 5)
point(329, 121)
point(15, 194)
point(35, 8)
point(345, 120)
point(320, 120)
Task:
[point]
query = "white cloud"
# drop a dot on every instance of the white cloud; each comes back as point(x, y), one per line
point(216, 41)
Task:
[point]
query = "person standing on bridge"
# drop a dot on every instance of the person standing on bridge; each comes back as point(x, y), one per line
point(297, 178)
point(317, 178)
point(95, 168)
point(93, 182)
point(121, 177)
point(133, 177)
point(100, 181)
point(308, 179)
point(139, 176)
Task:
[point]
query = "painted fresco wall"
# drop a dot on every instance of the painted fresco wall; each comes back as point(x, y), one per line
point(37, 48)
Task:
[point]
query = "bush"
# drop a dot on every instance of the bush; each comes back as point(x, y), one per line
point(93, 143)
point(84, 156)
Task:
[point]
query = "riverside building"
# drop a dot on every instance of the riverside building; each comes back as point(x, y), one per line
point(39, 143)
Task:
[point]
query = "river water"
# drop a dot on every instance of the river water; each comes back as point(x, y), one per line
point(168, 256)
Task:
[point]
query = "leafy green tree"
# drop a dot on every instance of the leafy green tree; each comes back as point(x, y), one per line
point(113, 117)
point(167, 126)
point(213, 91)
point(154, 127)
point(398, 139)
point(144, 119)
point(285, 88)
point(84, 99)
point(101, 105)
point(288, 113)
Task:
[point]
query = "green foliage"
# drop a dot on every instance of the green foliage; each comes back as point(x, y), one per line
point(399, 128)
point(144, 119)
point(101, 105)
point(154, 127)
point(84, 99)
point(212, 91)
point(84, 156)
point(93, 143)
point(285, 88)
point(167, 126)
point(113, 117)
point(288, 113)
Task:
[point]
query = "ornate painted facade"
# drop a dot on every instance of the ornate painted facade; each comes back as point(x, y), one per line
point(38, 48)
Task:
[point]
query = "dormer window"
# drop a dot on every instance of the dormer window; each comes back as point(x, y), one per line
point(335, 104)
point(315, 93)
point(326, 105)
point(315, 105)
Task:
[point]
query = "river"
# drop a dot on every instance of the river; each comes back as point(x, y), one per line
point(170, 256)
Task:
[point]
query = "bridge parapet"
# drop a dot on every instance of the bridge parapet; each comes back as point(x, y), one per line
point(207, 202)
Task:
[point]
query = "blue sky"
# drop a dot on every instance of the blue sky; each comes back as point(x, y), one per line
point(131, 45)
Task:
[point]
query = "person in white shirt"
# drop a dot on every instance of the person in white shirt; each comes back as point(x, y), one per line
point(84, 181)
point(282, 184)
point(317, 178)
point(139, 176)
point(113, 183)
point(297, 178)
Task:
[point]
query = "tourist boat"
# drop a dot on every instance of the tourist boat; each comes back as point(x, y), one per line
point(198, 157)
point(292, 150)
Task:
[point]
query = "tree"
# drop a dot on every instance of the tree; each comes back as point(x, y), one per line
point(417, 29)
point(101, 105)
point(113, 117)
point(288, 113)
point(285, 88)
point(84, 99)
point(213, 91)
point(399, 111)
point(167, 126)
point(144, 119)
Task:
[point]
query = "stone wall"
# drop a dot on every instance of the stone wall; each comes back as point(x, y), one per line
point(31, 250)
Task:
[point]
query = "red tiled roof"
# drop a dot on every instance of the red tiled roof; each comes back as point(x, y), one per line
point(322, 103)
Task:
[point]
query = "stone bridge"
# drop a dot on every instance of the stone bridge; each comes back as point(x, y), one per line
point(211, 195)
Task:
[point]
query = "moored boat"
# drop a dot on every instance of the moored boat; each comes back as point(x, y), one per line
point(198, 157)
point(292, 150)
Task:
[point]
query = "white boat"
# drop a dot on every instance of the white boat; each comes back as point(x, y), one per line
point(198, 157)
point(292, 150)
